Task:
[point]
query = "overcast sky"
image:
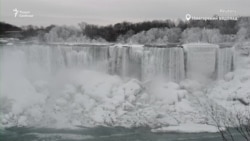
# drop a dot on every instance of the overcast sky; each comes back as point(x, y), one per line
point(103, 12)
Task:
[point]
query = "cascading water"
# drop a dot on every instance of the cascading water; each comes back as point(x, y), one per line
point(205, 61)
point(226, 61)
point(72, 84)
point(167, 63)
point(140, 62)
point(55, 58)
point(125, 61)
point(200, 60)
point(147, 63)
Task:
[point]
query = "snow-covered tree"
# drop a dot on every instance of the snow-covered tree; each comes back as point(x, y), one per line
point(67, 34)
point(201, 35)
point(156, 36)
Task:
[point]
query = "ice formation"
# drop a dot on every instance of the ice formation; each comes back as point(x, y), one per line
point(208, 60)
point(110, 85)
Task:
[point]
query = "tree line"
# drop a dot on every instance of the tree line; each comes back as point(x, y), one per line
point(125, 30)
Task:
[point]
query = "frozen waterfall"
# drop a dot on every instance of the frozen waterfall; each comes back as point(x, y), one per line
point(167, 63)
point(171, 63)
point(72, 85)
point(204, 60)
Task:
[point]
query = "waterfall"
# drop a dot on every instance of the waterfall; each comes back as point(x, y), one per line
point(225, 62)
point(170, 63)
point(125, 61)
point(200, 60)
point(167, 63)
point(94, 84)
point(208, 60)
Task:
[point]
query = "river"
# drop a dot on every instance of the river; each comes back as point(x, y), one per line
point(101, 134)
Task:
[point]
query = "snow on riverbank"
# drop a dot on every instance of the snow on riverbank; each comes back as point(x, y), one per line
point(188, 128)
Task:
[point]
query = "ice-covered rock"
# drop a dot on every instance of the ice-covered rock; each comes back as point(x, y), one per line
point(229, 76)
point(191, 85)
point(22, 121)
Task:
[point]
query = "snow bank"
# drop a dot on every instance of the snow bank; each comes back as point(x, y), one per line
point(233, 92)
point(188, 128)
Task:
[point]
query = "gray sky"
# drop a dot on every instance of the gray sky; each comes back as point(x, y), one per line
point(103, 12)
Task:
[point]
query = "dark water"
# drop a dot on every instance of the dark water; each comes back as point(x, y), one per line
point(100, 134)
